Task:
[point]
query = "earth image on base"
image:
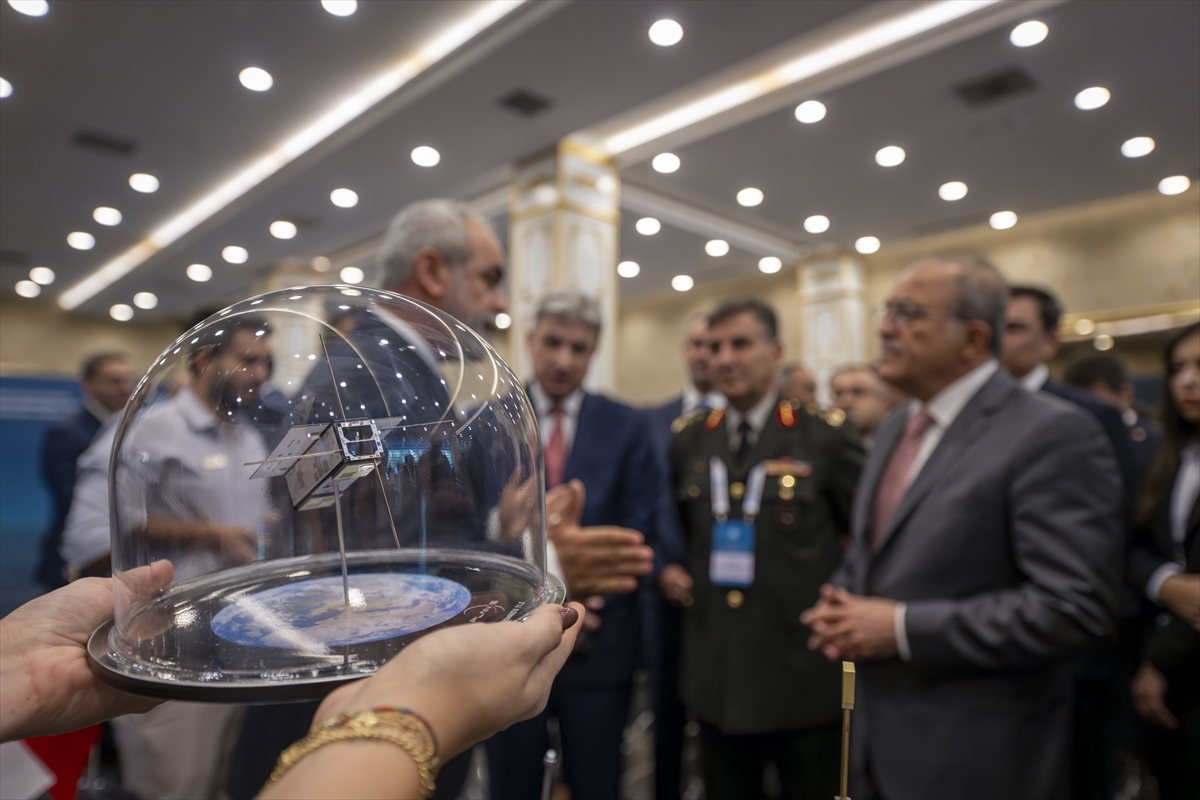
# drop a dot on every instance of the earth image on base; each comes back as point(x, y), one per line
point(313, 615)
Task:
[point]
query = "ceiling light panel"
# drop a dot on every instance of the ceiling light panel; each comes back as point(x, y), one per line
point(42, 275)
point(817, 223)
point(350, 106)
point(1176, 184)
point(352, 275)
point(256, 79)
point(682, 283)
point(235, 255)
point(750, 197)
point(810, 111)
point(344, 198)
point(1092, 98)
point(770, 264)
point(121, 312)
point(867, 244)
point(1137, 147)
point(81, 240)
point(199, 272)
point(1027, 34)
point(30, 8)
point(890, 156)
point(282, 229)
point(954, 190)
point(647, 226)
point(27, 289)
point(503, 321)
point(5, 88)
point(425, 156)
point(665, 163)
point(146, 300)
point(666, 32)
point(107, 216)
point(340, 8)
point(1003, 220)
point(716, 248)
point(141, 182)
point(628, 269)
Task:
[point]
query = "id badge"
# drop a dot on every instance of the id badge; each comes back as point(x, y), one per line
point(731, 560)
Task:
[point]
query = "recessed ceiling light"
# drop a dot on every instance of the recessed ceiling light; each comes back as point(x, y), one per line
point(425, 156)
point(749, 197)
point(255, 79)
point(141, 182)
point(30, 8)
point(235, 255)
point(5, 88)
point(352, 275)
point(716, 247)
point(199, 272)
point(1091, 98)
point(628, 269)
point(1176, 184)
point(42, 275)
point(282, 229)
point(27, 289)
point(648, 226)
point(1027, 34)
point(666, 32)
point(1103, 342)
point(867, 244)
point(344, 198)
point(121, 312)
point(503, 321)
point(145, 299)
point(954, 190)
point(340, 8)
point(810, 111)
point(1003, 220)
point(107, 216)
point(1137, 147)
point(770, 264)
point(665, 162)
point(321, 264)
point(889, 156)
point(817, 223)
point(682, 283)
point(81, 240)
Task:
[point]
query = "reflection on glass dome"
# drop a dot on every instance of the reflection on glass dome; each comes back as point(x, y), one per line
point(306, 481)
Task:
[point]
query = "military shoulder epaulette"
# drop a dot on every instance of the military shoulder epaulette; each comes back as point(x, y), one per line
point(684, 420)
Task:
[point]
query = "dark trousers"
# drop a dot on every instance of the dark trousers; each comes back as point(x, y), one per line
point(269, 730)
point(670, 717)
point(591, 722)
point(808, 761)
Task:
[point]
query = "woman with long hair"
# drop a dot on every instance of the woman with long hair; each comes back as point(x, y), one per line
point(1165, 564)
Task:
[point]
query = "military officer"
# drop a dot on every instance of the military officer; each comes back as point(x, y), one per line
point(764, 491)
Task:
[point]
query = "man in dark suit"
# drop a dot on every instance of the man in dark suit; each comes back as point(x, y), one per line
point(603, 450)
point(106, 380)
point(986, 556)
point(1030, 340)
point(1103, 376)
point(673, 583)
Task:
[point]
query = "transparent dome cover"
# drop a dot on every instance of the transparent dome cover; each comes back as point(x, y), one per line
point(305, 482)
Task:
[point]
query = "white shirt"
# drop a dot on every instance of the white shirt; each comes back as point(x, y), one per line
point(692, 399)
point(943, 408)
point(543, 403)
point(1036, 378)
point(86, 537)
point(757, 417)
point(96, 410)
point(1183, 496)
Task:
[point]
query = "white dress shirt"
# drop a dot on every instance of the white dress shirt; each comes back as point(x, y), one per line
point(943, 408)
point(542, 405)
point(693, 399)
point(1183, 496)
point(757, 417)
point(1036, 378)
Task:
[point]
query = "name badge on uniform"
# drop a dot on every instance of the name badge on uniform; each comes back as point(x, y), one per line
point(731, 556)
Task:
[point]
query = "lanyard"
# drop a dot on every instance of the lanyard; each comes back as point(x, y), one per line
point(719, 484)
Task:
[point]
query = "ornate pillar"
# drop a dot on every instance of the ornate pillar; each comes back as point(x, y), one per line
point(833, 317)
point(563, 228)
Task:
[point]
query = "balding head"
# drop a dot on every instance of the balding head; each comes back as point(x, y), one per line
point(944, 318)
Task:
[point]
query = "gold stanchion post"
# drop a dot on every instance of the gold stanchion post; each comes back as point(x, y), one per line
point(847, 707)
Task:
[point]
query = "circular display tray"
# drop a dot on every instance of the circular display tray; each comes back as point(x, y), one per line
point(501, 588)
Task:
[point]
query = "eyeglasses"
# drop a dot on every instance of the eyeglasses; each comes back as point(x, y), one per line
point(905, 312)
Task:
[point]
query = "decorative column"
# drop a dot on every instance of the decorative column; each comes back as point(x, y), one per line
point(563, 228)
point(833, 317)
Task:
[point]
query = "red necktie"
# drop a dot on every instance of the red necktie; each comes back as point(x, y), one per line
point(895, 479)
point(556, 455)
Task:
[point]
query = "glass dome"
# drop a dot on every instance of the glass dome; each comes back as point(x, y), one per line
point(305, 482)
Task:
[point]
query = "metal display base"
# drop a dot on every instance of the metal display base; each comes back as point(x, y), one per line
point(255, 679)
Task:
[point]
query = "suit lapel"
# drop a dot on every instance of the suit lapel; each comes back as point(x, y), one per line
point(586, 437)
point(971, 422)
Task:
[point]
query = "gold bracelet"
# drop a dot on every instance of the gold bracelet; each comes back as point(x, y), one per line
point(401, 727)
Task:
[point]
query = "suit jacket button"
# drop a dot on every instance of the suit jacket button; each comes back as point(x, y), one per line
point(735, 599)
point(693, 491)
point(737, 489)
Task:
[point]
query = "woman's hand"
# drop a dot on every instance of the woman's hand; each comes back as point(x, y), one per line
point(1150, 697)
point(45, 683)
point(469, 681)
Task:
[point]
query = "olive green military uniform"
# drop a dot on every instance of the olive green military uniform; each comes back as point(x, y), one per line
point(746, 667)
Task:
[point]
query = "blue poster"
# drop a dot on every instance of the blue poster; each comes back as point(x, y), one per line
point(29, 407)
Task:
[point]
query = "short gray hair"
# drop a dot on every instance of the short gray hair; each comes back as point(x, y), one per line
point(982, 294)
point(570, 306)
point(440, 224)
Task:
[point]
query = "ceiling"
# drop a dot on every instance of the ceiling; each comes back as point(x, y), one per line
point(164, 76)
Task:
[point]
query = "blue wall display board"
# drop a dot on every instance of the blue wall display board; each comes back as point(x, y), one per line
point(28, 408)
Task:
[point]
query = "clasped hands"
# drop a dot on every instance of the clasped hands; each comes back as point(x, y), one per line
point(849, 627)
point(595, 560)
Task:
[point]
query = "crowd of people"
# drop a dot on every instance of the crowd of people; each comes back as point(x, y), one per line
point(1011, 562)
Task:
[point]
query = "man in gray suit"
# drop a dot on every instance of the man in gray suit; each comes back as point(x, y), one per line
point(986, 555)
